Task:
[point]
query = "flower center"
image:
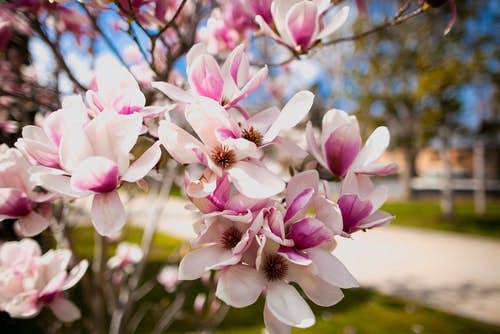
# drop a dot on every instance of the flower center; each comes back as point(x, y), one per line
point(275, 267)
point(231, 237)
point(223, 156)
point(252, 135)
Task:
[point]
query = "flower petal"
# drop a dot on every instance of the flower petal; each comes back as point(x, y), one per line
point(107, 213)
point(299, 204)
point(205, 76)
point(173, 92)
point(335, 23)
point(273, 325)
point(75, 274)
point(201, 260)
point(97, 174)
point(239, 286)
point(64, 309)
point(182, 146)
point(308, 233)
point(291, 114)
point(319, 291)
point(330, 269)
point(342, 147)
point(374, 147)
point(31, 224)
point(288, 306)
point(255, 181)
point(302, 24)
point(143, 165)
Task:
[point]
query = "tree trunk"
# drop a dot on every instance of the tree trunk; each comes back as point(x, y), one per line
point(407, 174)
point(479, 176)
point(447, 205)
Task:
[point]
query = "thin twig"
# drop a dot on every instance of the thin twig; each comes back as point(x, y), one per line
point(126, 296)
point(172, 20)
point(54, 46)
point(168, 317)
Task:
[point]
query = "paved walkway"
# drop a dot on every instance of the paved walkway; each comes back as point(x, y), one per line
point(448, 271)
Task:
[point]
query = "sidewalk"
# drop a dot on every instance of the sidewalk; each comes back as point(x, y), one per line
point(448, 271)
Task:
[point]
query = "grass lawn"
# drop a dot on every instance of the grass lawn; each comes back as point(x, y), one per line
point(427, 214)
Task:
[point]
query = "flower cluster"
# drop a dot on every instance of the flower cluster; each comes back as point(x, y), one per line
point(259, 230)
point(29, 281)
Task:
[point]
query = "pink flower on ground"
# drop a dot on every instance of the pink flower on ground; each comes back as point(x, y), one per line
point(226, 85)
point(339, 147)
point(29, 281)
point(360, 202)
point(18, 196)
point(126, 256)
point(168, 277)
point(298, 24)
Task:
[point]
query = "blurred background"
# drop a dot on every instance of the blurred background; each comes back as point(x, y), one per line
point(436, 269)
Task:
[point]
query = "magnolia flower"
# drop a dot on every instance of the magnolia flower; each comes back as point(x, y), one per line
point(296, 230)
point(222, 154)
point(240, 286)
point(117, 91)
point(95, 161)
point(226, 242)
point(360, 202)
point(339, 147)
point(29, 281)
point(41, 144)
point(18, 196)
point(126, 255)
point(298, 23)
point(227, 85)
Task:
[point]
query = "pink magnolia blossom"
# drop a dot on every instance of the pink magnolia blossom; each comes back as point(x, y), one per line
point(222, 154)
point(240, 285)
point(294, 229)
point(41, 143)
point(226, 85)
point(298, 24)
point(94, 160)
point(18, 196)
point(30, 281)
point(126, 255)
point(219, 37)
point(339, 146)
point(225, 243)
point(360, 202)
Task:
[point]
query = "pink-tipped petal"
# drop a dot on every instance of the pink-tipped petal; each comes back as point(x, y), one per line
point(107, 213)
point(302, 24)
point(64, 310)
point(308, 233)
point(288, 306)
point(341, 148)
point(291, 114)
point(379, 169)
point(240, 286)
point(255, 181)
point(205, 77)
point(313, 146)
point(301, 181)
point(299, 203)
point(182, 146)
point(378, 218)
point(329, 213)
point(96, 174)
point(14, 203)
point(353, 211)
point(31, 224)
point(143, 165)
point(330, 269)
point(250, 86)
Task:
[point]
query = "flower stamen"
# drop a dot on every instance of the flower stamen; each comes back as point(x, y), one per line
point(231, 237)
point(223, 156)
point(252, 135)
point(275, 267)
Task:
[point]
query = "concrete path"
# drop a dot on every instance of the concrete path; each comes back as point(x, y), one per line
point(448, 271)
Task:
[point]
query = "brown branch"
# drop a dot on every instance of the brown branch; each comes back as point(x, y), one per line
point(172, 20)
point(54, 46)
